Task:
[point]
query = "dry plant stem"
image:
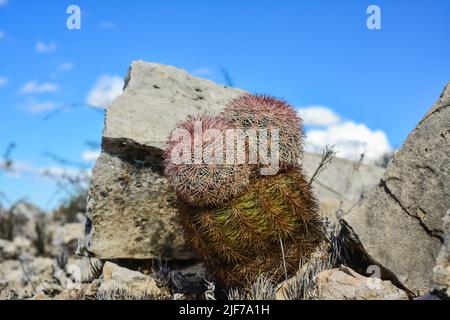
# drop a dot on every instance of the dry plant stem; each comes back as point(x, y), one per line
point(355, 169)
point(328, 154)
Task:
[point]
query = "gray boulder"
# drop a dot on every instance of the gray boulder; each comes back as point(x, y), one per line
point(131, 212)
point(441, 272)
point(398, 225)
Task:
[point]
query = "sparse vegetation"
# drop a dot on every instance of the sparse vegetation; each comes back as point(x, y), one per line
point(166, 277)
point(328, 154)
point(263, 288)
point(123, 294)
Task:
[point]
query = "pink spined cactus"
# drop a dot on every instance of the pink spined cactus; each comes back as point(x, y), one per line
point(196, 180)
point(254, 111)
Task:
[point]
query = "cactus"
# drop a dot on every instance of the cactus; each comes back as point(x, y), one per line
point(243, 239)
point(253, 111)
point(204, 184)
point(240, 223)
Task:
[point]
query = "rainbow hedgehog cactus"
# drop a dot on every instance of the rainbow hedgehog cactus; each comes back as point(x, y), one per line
point(243, 220)
point(255, 112)
point(196, 180)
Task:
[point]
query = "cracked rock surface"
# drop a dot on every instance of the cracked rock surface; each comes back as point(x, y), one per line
point(399, 224)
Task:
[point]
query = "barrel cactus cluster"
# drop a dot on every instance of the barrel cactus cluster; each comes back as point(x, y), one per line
point(241, 222)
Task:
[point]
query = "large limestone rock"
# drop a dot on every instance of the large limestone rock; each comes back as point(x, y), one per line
point(131, 212)
point(346, 284)
point(399, 224)
point(441, 272)
point(155, 99)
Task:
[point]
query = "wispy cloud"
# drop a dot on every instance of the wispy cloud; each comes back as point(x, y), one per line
point(318, 116)
point(3, 3)
point(52, 172)
point(3, 81)
point(2, 33)
point(58, 171)
point(349, 138)
point(36, 87)
point(17, 168)
point(43, 47)
point(90, 155)
point(66, 66)
point(105, 90)
point(108, 25)
point(39, 107)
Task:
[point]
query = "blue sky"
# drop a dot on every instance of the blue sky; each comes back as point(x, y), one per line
point(313, 53)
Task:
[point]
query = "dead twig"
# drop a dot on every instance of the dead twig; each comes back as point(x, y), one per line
point(355, 168)
point(328, 154)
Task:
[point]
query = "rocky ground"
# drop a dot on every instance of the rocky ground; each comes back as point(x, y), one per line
point(387, 229)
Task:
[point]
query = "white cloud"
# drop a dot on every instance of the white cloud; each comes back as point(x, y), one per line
point(3, 81)
point(39, 107)
point(64, 174)
point(90, 155)
point(105, 90)
point(350, 141)
point(66, 66)
point(36, 87)
point(318, 116)
point(3, 2)
point(349, 138)
point(43, 47)
point(55, 172)
point(110, 25)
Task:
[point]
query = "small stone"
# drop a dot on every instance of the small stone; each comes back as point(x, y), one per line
point(133, 282)
point(346, 284)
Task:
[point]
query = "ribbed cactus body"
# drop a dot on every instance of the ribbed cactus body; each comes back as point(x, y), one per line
point(251, 111)
point(198, 182)
point(243, 239)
